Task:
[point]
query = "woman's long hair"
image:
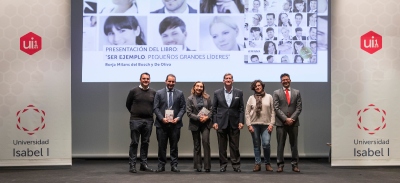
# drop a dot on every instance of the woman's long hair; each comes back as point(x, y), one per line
point(204, 94)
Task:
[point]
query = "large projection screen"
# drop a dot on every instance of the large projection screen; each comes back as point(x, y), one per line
point(108, 56)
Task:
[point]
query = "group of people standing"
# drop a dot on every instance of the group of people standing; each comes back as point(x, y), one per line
point(226, 113)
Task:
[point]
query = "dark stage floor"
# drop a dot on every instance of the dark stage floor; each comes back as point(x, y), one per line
point(116, 170)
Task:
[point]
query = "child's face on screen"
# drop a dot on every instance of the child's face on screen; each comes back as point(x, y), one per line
point(122, 36)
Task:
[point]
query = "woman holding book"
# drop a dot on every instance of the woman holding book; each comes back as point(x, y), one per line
point(260, 120)
point(198, 107)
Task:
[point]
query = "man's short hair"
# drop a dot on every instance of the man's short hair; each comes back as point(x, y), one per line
point(253, 56)
point(299, 14)
point(313, 42)
point(227, 74)
point(285, 74)
point(145, 73)
point(273, 15)
point(269, 57)
point(171, 22)
point(253, 29)
point(298, 29)
point(298, 1)
point(170, 75)
point(270, 29)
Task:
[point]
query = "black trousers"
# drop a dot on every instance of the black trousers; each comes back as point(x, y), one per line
point(172, 135)
point(233, 135)
point(140, 129)
point(281, 133)
point(201, 136)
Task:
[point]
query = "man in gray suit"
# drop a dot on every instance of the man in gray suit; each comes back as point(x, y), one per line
point(228, 118)
point(287, 104)
point(168, 99)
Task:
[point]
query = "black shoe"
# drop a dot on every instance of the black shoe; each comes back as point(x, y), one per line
point(237, 170)
point(132, 169)
point(160, 169)
point(144, 167)
point(223, 169)
point(207, 170)
point(175, 169)
point(198, 170)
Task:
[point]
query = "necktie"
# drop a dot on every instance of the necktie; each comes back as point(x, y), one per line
point(170, 102)
point(287, 96)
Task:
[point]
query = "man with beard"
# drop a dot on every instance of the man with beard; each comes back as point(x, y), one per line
point(288, 106)
point(168, 101)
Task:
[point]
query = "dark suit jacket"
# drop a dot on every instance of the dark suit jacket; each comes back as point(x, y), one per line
point(162, 10)
point(161, 104)
point(302, 38)
point(192, 111)
point(283, 110)
point(222, 113)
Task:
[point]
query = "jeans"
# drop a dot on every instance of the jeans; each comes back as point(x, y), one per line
point(140, 129)
point(259, 135)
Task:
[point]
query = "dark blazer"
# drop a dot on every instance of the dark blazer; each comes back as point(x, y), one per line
point(161, 104)
point(162, 10)
point(192, 111)
point(284, 110)
point(302, 37)
point(222, 113)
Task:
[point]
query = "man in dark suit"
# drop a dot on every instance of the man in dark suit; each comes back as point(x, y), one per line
point(168, 100)
point(299, 34)
point(176, 6)
point(287, 104)
point(228, 118)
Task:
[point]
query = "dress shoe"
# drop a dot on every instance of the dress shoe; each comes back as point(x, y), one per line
point(160, 169)
point(132, 169)
point(280, 169)
point(237, 170)
point(268, 168)
point(175, 169)
point(223, 169)
point(198, 170)
point(257, 167)
point(207, 170)
point(144, 167)
point(296, 169)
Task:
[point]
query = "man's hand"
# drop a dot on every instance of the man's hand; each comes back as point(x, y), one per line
point(251, 129)
point(165, 120)
point(289, 121)
point(240, 126)
point(215, 126)
point(175, 121)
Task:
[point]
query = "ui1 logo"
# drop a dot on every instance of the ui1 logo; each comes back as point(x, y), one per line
point(30, 119)
point(371, 119)
point(371, 42)
point(30, 43)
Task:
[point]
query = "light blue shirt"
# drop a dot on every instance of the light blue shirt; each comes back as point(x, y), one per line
point(228, 96)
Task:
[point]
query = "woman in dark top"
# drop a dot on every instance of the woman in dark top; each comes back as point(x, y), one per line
point(198, 108)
